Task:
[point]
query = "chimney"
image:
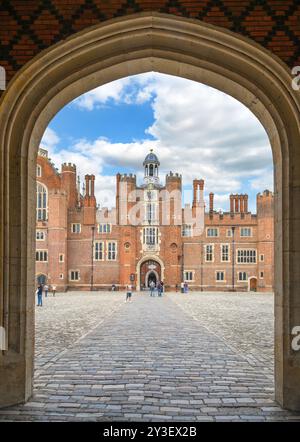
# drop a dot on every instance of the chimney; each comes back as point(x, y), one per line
point(87, 185)
point(231, 204)
point(246, 203)
point(211, 202)
point(241, 198)
point(198, 197)
point(93, 185)
point(236, 200)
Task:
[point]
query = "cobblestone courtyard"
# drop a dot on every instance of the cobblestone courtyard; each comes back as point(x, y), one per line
point(195, 357)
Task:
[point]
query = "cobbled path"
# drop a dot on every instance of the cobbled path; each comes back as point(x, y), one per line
point(176, 358)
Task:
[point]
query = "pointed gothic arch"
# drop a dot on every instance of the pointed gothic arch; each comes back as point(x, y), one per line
point(117, 48)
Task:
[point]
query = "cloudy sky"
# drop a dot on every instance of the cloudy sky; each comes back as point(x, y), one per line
point(195, 130)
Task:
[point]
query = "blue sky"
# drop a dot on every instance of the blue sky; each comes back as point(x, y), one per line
point(195, 130)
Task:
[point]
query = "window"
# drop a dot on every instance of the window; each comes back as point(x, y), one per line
point(212, 232)
point(151, 212)
point(104, 228)
point(41, 202)
point(186, 230)
point(150, 235)
point(112, 251)
point(229, 233)
point(225, 252)
point(76, 228)
point(247, 256)
point(74, 275)
point(242, 276)
point(188, 275)
point(209, 252)
point(61, 257)
point(38, 171)
point(246, 231)
point(261, 275)
point(220, 276)
point(261, 258)
point(41, 255)
point(40, 235)
point(99, 251)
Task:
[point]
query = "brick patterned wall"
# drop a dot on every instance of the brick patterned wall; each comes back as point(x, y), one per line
point(29, 26)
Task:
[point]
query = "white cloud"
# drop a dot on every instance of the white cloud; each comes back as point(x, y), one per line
point(199, 132)
point(50, 139)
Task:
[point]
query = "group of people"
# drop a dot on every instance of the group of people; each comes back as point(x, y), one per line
point(44, 289)
point(159, 287)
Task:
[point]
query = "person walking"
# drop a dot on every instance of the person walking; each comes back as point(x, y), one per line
point(53, 290)
point(186, 287)
point(46, 289)
point(159, 288)
point(152, 287)
point(39, 293)
point(129, 289)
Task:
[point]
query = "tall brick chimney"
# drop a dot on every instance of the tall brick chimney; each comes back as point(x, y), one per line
point(246, 203)
point(89, 201)
point(198, 197)
point(211, 202)
point(231, 204)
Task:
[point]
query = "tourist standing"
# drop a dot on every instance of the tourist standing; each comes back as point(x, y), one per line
point(53, 290)
point(182, 287)
point(152, 287)
point(46, 289)
point(186, 287)
point(128, 292)
point(159, 288)
point(162, 287)
point(39, 293)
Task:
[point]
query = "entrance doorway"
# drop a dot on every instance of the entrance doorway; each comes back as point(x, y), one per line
point(41, 279)
point(150, 271)
point(252, 284)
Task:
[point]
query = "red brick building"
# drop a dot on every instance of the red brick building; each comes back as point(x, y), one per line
point(148, 235)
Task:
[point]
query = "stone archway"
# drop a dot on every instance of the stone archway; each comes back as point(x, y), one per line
point(148, 268)
point(142, 269)
point(41, 278)
point(118, 48)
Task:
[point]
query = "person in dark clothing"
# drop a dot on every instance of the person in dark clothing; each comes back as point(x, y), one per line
point(159, 289)
point(40, 295)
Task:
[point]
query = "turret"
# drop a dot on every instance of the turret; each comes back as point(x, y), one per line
point(68, 176)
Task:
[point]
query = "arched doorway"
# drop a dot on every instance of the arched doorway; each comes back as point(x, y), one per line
point(115, 49)
point(150, 270)
point(41, 279)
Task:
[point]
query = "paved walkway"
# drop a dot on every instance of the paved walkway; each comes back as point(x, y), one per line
point(148, 360)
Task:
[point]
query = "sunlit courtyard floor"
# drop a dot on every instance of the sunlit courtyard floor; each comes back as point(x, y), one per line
point(194, 357)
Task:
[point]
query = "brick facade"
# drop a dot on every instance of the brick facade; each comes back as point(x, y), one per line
point(149, 235)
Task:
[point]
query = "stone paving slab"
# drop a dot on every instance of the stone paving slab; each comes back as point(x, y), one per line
point(154, 359)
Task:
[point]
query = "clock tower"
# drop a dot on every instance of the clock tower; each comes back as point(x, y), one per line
point(151, 166)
